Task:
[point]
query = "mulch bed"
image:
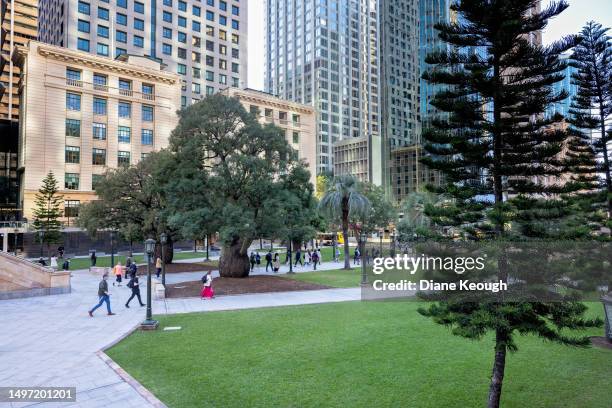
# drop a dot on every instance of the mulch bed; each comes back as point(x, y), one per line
point(189, 267)
point(601, 342)
point(238, 286)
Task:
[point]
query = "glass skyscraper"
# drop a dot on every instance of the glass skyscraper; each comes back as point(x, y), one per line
point(325, 53)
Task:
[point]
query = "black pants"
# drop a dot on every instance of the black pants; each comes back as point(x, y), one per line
point(299, 259)
point(135, 293)
point(269, 263)
point(252, 265)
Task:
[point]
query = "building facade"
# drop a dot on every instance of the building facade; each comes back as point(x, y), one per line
point(567, 85)
point(408, 174)
point(351, 157)
point(325, 54)
point(82, 114)
point(204, 41)
point(296, 119)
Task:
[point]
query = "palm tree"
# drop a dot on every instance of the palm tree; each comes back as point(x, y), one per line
point(343, 200)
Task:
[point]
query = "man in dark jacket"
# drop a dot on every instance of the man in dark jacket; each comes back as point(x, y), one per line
point(103, 295)
point(298, 257)
point(269, 261)
point(133, 284)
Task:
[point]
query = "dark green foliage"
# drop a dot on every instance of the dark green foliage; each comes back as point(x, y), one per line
point(47, 212)
point(495, 149)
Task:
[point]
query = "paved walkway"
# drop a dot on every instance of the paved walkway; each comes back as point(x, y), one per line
point(50, 340)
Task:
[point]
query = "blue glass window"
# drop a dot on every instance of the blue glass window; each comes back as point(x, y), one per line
point(99, 106)
point(102, 31)
point(83, 26)
point(103, 13)
point(182, 6)
point(167, 49)
point(196, 26)
point(121, 19)
point(181, 69)
point(147, 137)
point(120, 51)
point(235, 24)
point(125, 109)
point(182, 37)
point(83, 44)
point(168, 3)
point(210, 2)
point(102, 49)
point(167, 17)
point(210, 16)
point(122, 3)
point(121, 36)
point(139, 24)
point(124, 134)
point(147, 113)
point(222, 20)
point(138, 41)
point(235, 10)
point(196, 11)
point(223, 5)
point(138, 7)
point(84, 7)
point(73, 101)
point(182, 21)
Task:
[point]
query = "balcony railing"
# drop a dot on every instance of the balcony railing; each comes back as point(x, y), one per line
point(148, 97)
point(105, 88)
point(125, 92)
point(74, 82)
point(101, 88)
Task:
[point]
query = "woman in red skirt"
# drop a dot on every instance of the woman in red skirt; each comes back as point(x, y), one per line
point(207, 290)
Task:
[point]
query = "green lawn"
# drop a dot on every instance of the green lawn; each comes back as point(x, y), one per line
point(337, 278)
point(357, 354)
point(84, 263)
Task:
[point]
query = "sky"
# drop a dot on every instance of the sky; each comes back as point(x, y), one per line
point(568, 22)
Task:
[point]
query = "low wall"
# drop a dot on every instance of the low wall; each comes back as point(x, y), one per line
point(23, 278)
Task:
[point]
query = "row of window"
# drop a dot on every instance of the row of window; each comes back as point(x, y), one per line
point(101, 80)
point(100, 107)
point(124, 133)
point(98, 156)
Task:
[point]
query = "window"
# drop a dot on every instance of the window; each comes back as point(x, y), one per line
point(222, 64)
point(121, 36)
point(83, 26)
point(235, 24)
point(182, 53)
point(210, 76)
point(196, 72)
point(122, 3)
point(181, 69)
point(210, 2)
point(183, 101)
point(147, 113)
point(102, 31)
point(84, 7)
point(223, 79)
point(182, 6)
point(210, 16)
point(222, 20)
point(71, 208)
point(223, 35)
point(73, 154)
point(99, 131)
point(196, 26)
point(195, 11)
point(210, 30)
point(195, 41)
point(210, 61)
point(73, 128)
point(195, 57)
point(121, 19)
point(182, 37)
point(235, 53)
point(123, 158)
point(222, 49)
point(126, 85)
point(167, 49)
point(168, 3)
point(99, 106)
point(296, 137)
point(210, 46)
point(95, 180)
point(223, 5)
point(235, 67)
point(125, 109)
point(102, 49)
point(235, 39)
point(210, 90)
point(167, 33)
point(103, 13)
point(195, 88)
point(124, 134)
point(138, 41)
point(73, 74)
point(139, 24)
point(71, 181)
point(99, 81)
point(235, 10)
point(120, 51)
point(98, 157)
point(143, 156)
point(83, 44)
point(147, 137)
point(73, 101)
point(235, 82)
point(167, 17)
point(139, 7)
point(147, 89)
point(182, 21)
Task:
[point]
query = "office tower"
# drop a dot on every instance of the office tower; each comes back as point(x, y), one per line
point(566, 85)
point(325, 54)
point(204, 41)
point(98, 114)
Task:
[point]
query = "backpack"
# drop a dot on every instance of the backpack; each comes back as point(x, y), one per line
point(130, 284)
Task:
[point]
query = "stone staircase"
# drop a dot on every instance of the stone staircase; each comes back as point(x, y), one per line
point(22, 278)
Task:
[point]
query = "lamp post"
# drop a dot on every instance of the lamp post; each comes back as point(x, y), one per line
point(207, 246)
point(163, 238)
point(112, 238)
point(289, 255)
point(362, 242)
point(380, 242)
point(393, 244)
point(149, 323)
point(41, 238)
point(15, 248)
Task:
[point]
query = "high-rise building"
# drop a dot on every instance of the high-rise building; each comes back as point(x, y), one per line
point(204, 41)
point(400, 78)
point(326, 54)
point(568, 86)
point(98, 114)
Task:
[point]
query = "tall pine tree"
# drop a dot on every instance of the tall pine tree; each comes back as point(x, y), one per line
point(591, 109)
point(47, 212)
point(493, 145)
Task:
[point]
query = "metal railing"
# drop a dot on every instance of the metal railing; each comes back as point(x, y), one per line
point(13, 224)
point(74, 82)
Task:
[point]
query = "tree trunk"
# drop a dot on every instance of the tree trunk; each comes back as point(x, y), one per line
point(499, 367)
point(168, 251)
point(234, 261)
point(345, 231)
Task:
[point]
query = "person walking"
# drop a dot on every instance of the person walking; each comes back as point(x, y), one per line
point(357, 256)
point(319, 256)
point(66, 265)
point(134, 285)
point(207, 289)
point(298, 257)
point(128, 264)
point(60, 251)
point(337, 255)
point(103, 295)
point(308, 258)
point(315, 259)
point(93, 258)
point(269, 260)
point(158, 266)
point(257, 259)
point(276, 263)
point(118, 269)
point(252, 260)
point(54, 262)
point(133, 269)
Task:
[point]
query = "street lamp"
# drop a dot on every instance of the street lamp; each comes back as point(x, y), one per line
point(41, 238)
point(380, 246)
point(112, 238)
point(393, 244)
point(289, 255)
point(334, 246)
point(163, 238)
point(149, 323)
point(16, 231)
point(362, 242)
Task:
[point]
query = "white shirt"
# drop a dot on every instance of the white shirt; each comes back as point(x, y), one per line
point(208, 280)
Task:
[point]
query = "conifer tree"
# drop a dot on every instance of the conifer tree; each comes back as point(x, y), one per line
point(495, 144)
point(591, 109)
point(47, 211)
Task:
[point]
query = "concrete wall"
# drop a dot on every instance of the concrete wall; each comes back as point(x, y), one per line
point(21, 278)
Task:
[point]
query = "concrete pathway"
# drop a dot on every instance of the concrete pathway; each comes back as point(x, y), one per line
point(51, 341)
